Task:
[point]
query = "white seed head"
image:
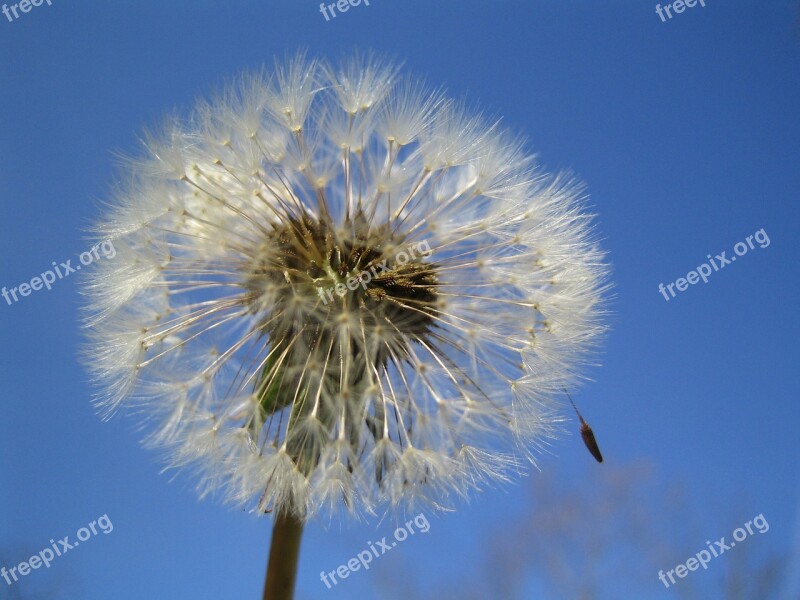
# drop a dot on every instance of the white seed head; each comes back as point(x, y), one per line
point(335, 290)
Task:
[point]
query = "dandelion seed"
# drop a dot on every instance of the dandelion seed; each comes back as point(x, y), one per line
point(587, 434)
point(422, 384)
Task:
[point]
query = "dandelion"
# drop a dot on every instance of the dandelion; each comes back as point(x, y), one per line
point(268, 315)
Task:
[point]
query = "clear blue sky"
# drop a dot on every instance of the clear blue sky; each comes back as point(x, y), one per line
point(685, 131)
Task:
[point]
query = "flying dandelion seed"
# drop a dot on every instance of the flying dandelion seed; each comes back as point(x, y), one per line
point(424, 381)
point(587, 434)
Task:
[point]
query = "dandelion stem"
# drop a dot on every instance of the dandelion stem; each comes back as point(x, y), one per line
point(283, 557)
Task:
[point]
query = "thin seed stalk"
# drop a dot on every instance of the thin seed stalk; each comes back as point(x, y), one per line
point(283, 557)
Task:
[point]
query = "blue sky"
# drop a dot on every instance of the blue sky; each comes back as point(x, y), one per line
point(686, 133)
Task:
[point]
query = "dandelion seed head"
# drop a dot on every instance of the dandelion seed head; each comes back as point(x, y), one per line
point(336, 289)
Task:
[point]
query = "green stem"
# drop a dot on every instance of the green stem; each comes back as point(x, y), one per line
point(283, 557)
